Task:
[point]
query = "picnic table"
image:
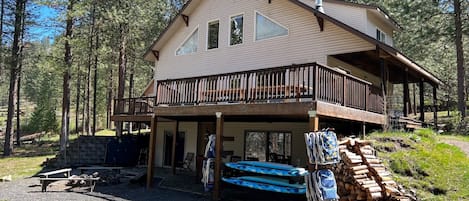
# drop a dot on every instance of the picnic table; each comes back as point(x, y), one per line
point(46, 178)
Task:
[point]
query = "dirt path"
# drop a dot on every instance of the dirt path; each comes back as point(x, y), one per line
point(462, 145)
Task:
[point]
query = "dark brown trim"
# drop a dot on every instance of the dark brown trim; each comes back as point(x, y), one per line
point(422, 100)
point(156, 54)
point(186, 19)
point(150, 48)
point(320, 22)
point(218, 154)
point(391, 50)
point(173, 153)
point(151, 152)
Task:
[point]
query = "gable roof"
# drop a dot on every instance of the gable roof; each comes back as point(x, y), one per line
point(192, 4)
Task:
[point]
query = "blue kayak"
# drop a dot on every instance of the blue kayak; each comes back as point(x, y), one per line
point(266, 183)
point(267, 168)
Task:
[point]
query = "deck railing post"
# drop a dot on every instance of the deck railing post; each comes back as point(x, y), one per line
point(315, 82)
point(344, 96)
point(367, 95)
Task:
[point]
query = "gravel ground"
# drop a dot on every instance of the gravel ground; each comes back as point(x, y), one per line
point(464, 146)
point(30, 190)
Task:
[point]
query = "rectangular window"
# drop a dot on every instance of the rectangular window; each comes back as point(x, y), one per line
point(236, 30)
point(381, 36)
point(212, 38)
point(268, 146)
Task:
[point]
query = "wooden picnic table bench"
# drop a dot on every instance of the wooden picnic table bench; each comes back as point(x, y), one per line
point(90, 180)
point(47, 174)
point(46, 179)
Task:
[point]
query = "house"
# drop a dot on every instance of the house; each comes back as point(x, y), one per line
point(260, 73)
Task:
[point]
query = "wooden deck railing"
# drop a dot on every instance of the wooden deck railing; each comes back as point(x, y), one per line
point(134, 106)
point(296, 83)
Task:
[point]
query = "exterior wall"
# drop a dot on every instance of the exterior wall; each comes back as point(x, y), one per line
point(333, 62)
point(305, 42)
point(375, 22)
point(189, 128)
point(350, 15)
point(236, 130)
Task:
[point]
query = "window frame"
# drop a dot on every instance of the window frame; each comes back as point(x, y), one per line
point(267, 149)
point(229, 29)
point(274, 21)
point(208, 33)
point(381, 34)
point(185, 40)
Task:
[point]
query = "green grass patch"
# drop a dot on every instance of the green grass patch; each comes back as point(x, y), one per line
point(22, 167)
point(437, 171)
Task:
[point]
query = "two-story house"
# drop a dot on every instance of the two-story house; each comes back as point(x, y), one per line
point(260, 73)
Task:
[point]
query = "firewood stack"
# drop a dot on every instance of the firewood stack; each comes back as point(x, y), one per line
point(362, 176)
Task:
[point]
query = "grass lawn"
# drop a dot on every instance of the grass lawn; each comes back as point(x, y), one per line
point(22, 167)
point(437, 171)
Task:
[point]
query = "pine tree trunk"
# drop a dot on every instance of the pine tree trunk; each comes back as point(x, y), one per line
point(2, 9)
point(87, 126)
point(65, 130)
point(77, 111)
point(20, 67)
point(109, 100)
point(460, 59)
point(95, 83)
point(15, 56)
point(122, 69)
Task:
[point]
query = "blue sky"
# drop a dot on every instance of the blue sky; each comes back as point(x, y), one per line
point(47, 26)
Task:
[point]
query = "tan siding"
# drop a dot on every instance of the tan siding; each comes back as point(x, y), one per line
point(238, 130)
point(305, 43)
point(350, 15)
point(189, 128)
point(333, 62)
point(375, 22)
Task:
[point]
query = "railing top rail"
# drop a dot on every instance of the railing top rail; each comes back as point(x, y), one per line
point(136, 98)
point(270, 69)
point(345, 74)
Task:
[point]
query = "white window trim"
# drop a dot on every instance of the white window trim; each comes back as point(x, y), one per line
point(185, 39)
point(229, 29)
point(385, 35)
point(207, 32)
point(276, 22)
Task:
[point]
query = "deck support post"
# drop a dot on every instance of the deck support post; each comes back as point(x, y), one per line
point(406, 93)
point(313, 121)
point(218, 155)
point(435, 109)
point(384, 88)
point(151, 152)
point(363, 130)
point(173, 151)
point(422, 101)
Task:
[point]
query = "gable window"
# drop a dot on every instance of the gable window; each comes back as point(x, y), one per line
point(268, 146)
point(236, 30)
point(381, 36)
point(190, 45)
point(267, 28)
point(212, 38)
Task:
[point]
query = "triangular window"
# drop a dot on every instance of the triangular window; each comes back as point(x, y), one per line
point(190, 45)
point(267, 28)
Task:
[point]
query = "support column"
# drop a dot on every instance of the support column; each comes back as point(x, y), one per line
point(384, 80)
point(173, 151)
point(218, 155)
point(422, 100)
point(151, 153)
point(435, 109)
point(313, 121)
point(363, 130)
point(406, 93)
